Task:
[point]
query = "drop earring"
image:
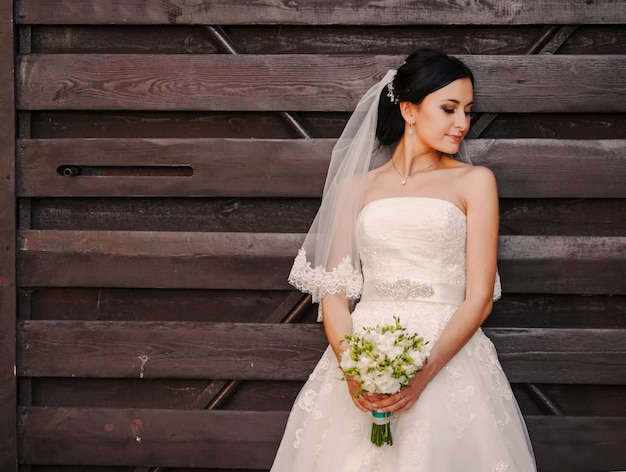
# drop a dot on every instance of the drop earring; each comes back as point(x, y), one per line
point(411, 130)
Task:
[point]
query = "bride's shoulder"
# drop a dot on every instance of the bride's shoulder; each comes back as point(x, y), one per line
point(478, 184)
point(471, 173)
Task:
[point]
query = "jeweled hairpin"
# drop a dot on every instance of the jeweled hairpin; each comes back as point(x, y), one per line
point(390, 93)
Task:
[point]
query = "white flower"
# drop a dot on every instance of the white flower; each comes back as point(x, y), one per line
point(383, 359)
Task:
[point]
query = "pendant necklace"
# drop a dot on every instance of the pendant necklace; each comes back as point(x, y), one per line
point(405, 177)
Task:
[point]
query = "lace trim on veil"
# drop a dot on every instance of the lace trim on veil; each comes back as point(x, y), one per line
point(317, 281)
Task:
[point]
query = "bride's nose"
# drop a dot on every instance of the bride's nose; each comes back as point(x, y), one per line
point(461, 121)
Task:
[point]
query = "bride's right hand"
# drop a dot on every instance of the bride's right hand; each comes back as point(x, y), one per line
point(363, 402)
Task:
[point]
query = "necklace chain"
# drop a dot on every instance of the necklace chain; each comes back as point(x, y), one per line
point(405, 177)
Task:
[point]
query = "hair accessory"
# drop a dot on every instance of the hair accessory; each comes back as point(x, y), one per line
point(390, 93)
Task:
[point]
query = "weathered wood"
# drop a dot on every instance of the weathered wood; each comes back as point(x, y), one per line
point(104, 304)
point(219, 167)
point(296, 168)
point(245, 439)
point(395, 12)
point(570, 216)
point(578, 400)
point(286, 39)
point(212, 214)
point(522, 166)
point(176, 394)
point(8, 385)
point(298, 39)
point(540, 217)
point(558, 311)
point(267, 125)
point(166, 242)
point(561, 264)
point(180, 124)
point(552, 126)
point(169, 350)
point(562, 356)
point(528, 264)
point(241, 261)
point(284, 352)
point(578, 444)
point(145, 437)
point(299, 82)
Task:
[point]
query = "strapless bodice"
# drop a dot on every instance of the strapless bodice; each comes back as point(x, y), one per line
point(412, 248)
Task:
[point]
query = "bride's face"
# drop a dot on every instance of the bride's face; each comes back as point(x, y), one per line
point(442, 119)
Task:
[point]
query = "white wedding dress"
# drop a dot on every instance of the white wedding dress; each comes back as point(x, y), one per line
point(413, 260)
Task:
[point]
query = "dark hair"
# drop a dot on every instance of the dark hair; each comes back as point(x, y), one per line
point(423, 72)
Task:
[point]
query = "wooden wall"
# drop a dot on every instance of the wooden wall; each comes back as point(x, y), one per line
point(169, 158)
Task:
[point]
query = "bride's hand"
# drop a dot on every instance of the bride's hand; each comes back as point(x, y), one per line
point(363, 402)
point(404, 399)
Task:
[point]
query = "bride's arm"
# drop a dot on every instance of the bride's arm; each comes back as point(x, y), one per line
point(337, 321)
point(481, 200)
point(338, 324)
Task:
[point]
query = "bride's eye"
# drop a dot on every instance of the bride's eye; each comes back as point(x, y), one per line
point(448, 110)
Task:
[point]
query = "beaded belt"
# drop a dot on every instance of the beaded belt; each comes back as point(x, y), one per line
point(408, 289)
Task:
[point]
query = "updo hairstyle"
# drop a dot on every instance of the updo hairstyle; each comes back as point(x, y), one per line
point(423, 72)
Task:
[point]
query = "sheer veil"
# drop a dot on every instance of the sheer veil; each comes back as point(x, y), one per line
point(328, 261)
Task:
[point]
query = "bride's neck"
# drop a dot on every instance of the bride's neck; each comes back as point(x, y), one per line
point(411, 161)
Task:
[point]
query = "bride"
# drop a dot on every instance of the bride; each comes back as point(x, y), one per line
point(405, 230)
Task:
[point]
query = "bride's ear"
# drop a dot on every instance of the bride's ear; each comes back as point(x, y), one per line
point(407, 110)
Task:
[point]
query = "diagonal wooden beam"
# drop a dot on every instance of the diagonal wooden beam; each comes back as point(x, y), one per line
point(222, 38)
point(549, 41)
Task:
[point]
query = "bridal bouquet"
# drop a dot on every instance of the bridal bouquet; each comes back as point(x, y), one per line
point(382, 360)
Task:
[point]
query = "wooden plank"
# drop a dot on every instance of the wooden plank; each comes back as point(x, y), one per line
point(8, 385)
point(210, 214)
point(394, 12)
point(562, 216)
point(149, 259)
point(244, 439)
point(256, 351)
point(221, 167)
point(519, 84)
point(177, 394)
point(561, 356)
point(261, 261)
point(563, 264)
point(295, 39)
point(151, 350)
point(528, 168)
point(558, 311)
point(578, 444)
point(554, 168)
point(576, 400)
point(102, 304)
point(146, 437)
